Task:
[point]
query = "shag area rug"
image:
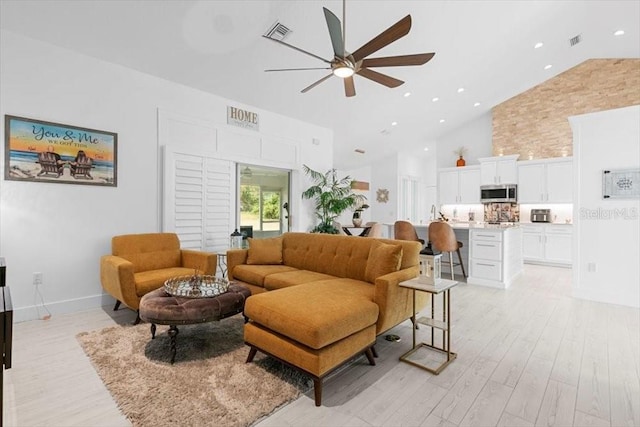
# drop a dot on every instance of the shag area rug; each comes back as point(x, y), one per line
point(209, 385)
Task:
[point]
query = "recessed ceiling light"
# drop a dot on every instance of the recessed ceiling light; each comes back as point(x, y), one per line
point(441, 120)
point(476, 104)
point(546, 67)
point(619, 33)
point(394, 123)
point(435, 99)
point(460, 89)
point(359, 150)
point(426, 148)
point(538, 45)
point(407, 94)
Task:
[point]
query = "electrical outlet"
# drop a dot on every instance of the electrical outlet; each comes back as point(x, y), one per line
point(591, 267)
point(37, 278)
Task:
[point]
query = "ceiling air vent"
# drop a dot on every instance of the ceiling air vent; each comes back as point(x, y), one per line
point(575, 40)
point(277, 31)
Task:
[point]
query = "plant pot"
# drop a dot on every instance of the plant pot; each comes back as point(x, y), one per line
point(461, 162)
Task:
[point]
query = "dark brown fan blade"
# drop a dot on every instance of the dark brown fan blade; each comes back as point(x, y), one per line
point(349, 87)
point(377, 77)
point(391, 34)
point(296, 69)
point(298, 49)
point(398, 61)
point(335, 32)
point(308, 88)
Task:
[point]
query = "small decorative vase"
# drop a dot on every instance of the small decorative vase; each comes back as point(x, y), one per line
point(357, 220)
point(461, 162)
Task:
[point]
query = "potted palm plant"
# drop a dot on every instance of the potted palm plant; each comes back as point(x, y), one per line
point(332, 196)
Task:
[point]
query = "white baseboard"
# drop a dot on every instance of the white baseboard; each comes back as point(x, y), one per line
point(606, 297)
point(32, 312)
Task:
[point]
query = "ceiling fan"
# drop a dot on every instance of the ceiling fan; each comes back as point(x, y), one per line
point(345, 64)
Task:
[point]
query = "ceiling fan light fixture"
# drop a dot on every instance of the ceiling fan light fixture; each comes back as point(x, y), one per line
point(343, 71)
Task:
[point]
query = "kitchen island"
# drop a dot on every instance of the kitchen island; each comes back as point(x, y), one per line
point(495, 256)
point(491, 253)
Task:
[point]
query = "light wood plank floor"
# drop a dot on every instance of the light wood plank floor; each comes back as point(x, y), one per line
point(528, 356)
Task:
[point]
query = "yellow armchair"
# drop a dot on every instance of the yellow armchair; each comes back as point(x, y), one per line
point(140, 263)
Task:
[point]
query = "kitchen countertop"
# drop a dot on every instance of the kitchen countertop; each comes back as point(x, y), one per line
point(462, 225)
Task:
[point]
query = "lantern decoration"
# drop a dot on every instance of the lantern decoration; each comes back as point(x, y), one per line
point(236, 240)
point(430, 269)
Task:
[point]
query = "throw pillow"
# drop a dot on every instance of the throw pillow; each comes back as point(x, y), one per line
point(383, 259)
point(265, 251)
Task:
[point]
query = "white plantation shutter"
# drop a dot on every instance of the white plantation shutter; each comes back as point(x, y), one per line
point(198, 195)
point(219, 194)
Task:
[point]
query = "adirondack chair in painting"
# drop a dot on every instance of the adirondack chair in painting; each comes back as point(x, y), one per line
point(81, 167)
point(50, 164)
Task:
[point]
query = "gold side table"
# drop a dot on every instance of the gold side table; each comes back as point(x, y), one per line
point(444, 288)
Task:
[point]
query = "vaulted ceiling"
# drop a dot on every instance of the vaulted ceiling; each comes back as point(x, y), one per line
point(485, 47)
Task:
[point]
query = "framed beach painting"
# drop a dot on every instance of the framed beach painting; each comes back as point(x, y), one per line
point(40, 151)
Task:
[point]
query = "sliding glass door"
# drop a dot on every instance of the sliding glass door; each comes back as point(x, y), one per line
point(263, 198)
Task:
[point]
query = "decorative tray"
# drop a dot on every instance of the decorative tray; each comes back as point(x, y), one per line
point(196, 286)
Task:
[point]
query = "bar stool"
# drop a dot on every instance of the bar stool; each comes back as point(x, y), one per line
point(443, 239)
point(404, 230)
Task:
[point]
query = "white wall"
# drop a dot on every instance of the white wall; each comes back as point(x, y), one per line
point(476, 135)
point(606, 231)
point(384, 175)
point(62, 230)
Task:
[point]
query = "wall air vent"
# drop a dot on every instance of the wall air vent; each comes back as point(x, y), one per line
point(575, 40)
point(277, 31)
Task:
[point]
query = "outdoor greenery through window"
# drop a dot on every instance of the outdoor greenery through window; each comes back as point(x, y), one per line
point(263, 201)
point(263, 216)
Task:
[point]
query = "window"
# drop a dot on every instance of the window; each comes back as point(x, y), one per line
point(263, 200)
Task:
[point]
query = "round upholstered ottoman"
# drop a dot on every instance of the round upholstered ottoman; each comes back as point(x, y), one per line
point(160, 308)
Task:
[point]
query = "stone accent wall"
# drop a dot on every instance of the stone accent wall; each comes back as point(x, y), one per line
point(534, 124)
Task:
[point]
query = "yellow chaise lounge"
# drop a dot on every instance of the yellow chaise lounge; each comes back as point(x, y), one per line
point(319, 300)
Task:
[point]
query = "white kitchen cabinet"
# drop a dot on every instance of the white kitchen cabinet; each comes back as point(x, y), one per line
point(448, 187)
point(545, 181)
point(532, 245)
point(498, 170)
point(557, 244)
point(495, 256)
point(559, 181)
point(548, 244)
point(459, 185)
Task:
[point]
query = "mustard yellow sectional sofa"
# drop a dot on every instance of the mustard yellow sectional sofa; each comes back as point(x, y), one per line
point(319, 300)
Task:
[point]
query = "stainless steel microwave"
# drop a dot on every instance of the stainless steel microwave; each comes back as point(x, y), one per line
point(507, 193)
